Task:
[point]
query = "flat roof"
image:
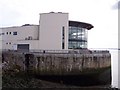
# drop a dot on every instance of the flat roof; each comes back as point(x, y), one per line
point(18, 26)
point(81, 24)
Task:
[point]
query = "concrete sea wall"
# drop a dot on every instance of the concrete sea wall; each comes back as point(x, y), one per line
point(56, 64)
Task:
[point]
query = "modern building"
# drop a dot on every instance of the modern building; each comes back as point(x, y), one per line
point(54, 32)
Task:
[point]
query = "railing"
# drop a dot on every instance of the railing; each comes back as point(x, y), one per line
point(72, 51)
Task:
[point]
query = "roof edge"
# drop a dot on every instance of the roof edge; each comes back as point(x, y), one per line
point(81, 24)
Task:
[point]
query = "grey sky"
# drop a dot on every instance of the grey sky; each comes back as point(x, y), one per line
point(116, 5)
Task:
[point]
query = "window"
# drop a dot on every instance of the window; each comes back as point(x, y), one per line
point(63, 37)
point(14, 33)
point(3, 33)
point(9, 42)
point(63, 45)
point(77, 37)
point(6, 43)
point(7, 33)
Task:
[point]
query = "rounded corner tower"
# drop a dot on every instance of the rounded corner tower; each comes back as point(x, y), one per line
point(78, 34)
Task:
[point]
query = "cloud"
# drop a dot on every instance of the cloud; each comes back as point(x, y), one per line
point(116, 5)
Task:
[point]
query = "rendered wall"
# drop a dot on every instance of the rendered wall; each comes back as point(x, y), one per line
point(50, 33)
point(23, 32)
point(33, 44)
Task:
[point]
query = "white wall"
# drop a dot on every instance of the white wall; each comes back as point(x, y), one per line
point(33, 44)
point(8, 40)
point(22, 32)
point(51, 31)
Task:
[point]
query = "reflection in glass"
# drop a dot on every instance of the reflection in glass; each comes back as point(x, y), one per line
point(77, 37)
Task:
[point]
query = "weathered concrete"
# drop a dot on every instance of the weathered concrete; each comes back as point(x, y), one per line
point(56, 64)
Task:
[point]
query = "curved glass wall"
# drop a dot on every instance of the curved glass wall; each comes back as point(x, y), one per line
point(77, 37)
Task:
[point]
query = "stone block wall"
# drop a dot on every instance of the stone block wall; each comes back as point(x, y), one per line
point(55, 64)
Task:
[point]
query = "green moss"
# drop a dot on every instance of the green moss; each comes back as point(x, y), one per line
point(72, 72)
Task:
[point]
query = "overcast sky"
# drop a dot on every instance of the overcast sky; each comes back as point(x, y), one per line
point(102, 14)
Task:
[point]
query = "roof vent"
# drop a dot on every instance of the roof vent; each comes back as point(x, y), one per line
point(52, 12)
point(26, 25)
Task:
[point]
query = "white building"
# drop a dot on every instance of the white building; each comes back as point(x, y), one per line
point(54, 32)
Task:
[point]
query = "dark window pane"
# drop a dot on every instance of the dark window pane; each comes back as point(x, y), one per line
point(63, 37)
point(14, 33)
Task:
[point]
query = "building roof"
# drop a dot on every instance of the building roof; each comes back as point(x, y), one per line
point(19, 26)
point(81, 24)
point(29, 25)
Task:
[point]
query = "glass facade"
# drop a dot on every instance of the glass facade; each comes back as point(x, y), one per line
point(77, 37)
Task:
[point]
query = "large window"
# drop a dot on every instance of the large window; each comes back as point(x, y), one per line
point(77, 38)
